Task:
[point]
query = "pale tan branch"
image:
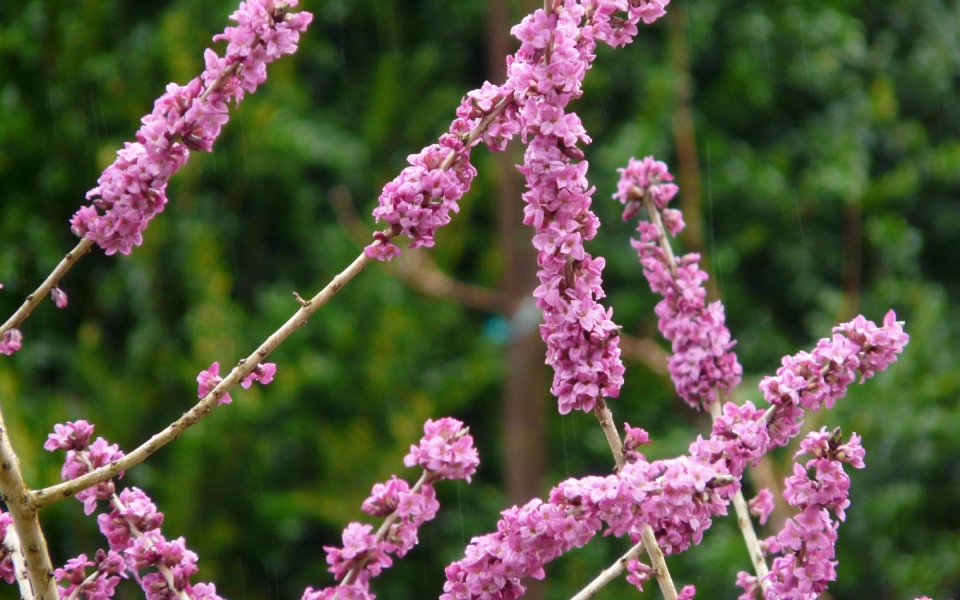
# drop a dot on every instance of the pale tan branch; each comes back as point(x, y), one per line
point(55, 493)
point(25, 521)
point(48, 284)
point(609, 574)
point(14, 550)
point(37, 499)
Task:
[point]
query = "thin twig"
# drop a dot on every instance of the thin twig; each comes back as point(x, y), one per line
point(609, 574)
point(25, 521)
point(48, 284)
point(55, 493)
point(14, 550)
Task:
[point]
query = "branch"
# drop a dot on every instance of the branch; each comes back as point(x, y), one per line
point(740, 504)
point(418, 271)
point(609, 574)
point(40, 498)
point(25, 521)
point(12, 545)
point(49, 283)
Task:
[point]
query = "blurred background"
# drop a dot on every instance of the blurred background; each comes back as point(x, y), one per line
point(817, 146)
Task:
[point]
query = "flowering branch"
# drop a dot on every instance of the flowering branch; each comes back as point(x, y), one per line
point(132, 190)
point(445, 451)
point(702, 368)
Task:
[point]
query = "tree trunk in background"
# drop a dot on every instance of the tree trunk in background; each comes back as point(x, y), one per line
point(685, 139)
point(525, 383)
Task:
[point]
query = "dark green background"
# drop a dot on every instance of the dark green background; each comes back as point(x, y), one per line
point(817, 123)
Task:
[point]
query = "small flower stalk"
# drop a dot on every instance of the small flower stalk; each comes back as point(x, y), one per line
point(807, 541)
point(703, 366)
point(445, 452)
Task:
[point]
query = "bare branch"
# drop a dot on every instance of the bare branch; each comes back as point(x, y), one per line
point(55, 493)
point(48, 284)
point(609, 574)
point(11, 544)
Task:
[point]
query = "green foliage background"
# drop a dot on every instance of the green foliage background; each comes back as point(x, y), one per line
point(805, 112)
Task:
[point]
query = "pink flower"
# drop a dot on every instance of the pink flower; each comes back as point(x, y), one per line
point(208, 380)
point(762, 505)
point(263, 373)
point(132, 191)
point(69, 436)
point(687, 593)
point(59, 297)
point(446, 450)
point(10, 341)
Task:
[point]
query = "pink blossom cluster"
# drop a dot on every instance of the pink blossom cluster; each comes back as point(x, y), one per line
point(132, 190)
point(445, 452)
point(819, 378)
point(761, 505)
point(83, 457)
point(7, 571)
point(556, 50)
point(702, 367)
point(110, 567)
point(132, 529)
point(677, 498)
point(420, 199)
point(210, 378)
point(11, 341)
point(807, 541)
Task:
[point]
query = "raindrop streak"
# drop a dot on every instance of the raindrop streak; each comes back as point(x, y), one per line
point(463, 535)
point(806, 63)
point(713, 237)
point(796, 202)
point(766, 49)
point(243, 583)
point(563, 431)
